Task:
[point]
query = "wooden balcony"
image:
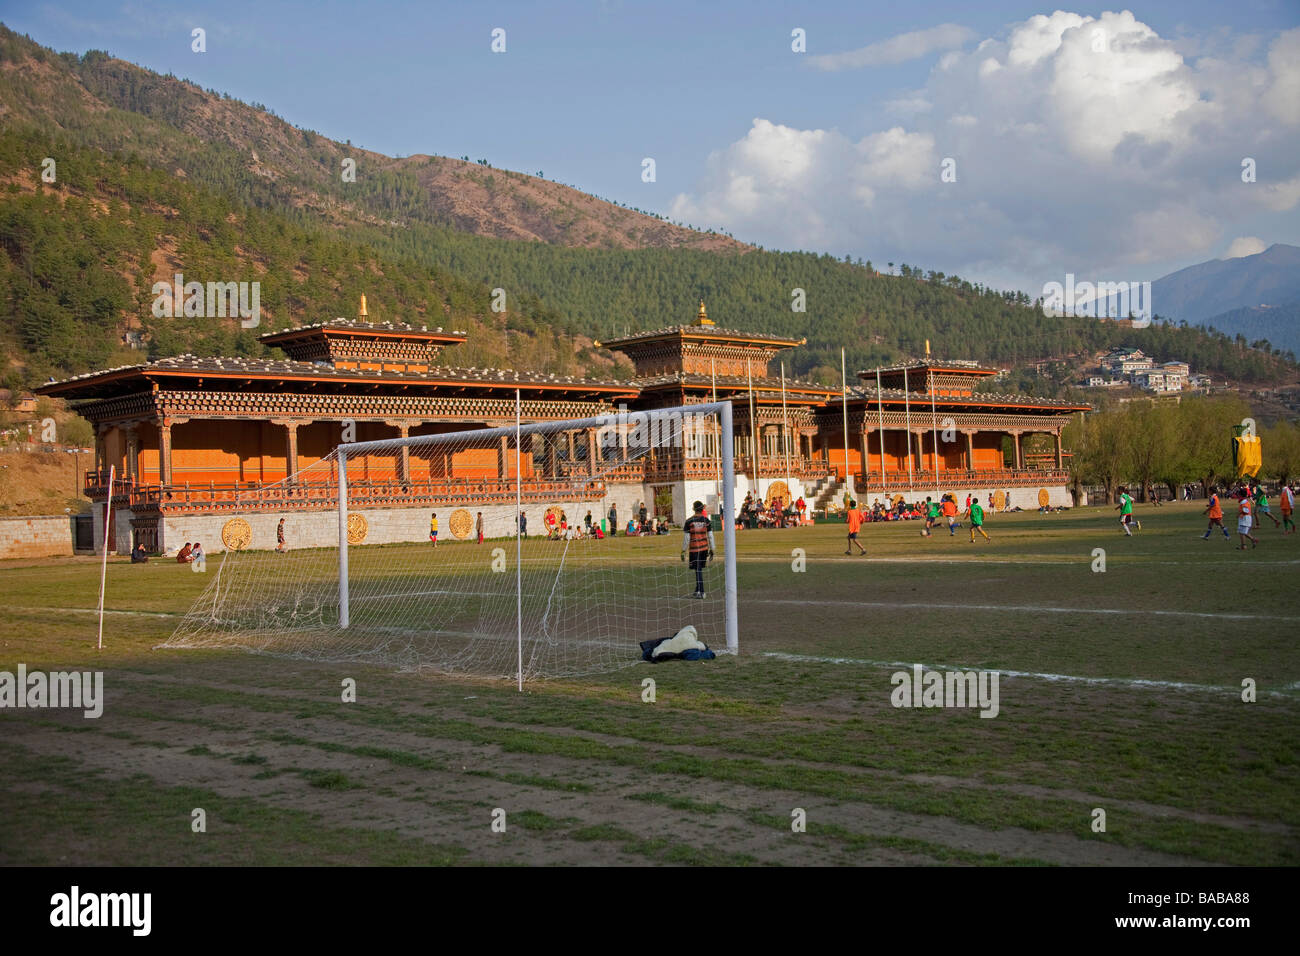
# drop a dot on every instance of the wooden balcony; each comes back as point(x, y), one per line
point(218, 498)
point(960, 478)
point(775, 467)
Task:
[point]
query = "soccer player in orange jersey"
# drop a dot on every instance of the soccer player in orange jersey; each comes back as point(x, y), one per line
point(855, 518)
point(697, 540)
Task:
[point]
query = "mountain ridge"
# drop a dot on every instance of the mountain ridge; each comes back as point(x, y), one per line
point(1200, 291)
point(138, 198)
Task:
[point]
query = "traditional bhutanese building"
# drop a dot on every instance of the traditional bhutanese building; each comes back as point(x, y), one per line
point(922, 425)
point(199, 442)
point(773, 418)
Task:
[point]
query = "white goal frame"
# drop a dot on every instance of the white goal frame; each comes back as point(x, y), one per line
point(726, 471)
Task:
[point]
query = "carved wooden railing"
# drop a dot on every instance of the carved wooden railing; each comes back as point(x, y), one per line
point(961, 478)
point(217, 497)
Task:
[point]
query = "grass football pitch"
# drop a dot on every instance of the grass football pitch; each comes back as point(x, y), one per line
point(1119, 690)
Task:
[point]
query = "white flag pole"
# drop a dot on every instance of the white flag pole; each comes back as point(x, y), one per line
point(754, 436)
point(880, 419)
point(907, 408)
point(785, 435)
point(519, 544)
point(934, 436)
point(103, 568)
point(713, 373)
point(844, 405)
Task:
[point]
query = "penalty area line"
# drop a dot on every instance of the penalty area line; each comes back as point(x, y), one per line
point(1033, 675)
point(1026, 608)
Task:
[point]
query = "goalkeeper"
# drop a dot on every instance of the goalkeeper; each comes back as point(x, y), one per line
point(697, 539)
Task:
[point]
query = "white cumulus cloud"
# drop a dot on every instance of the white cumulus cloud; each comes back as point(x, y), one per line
point(897, 49)
point(1079, 144)
point(1245, 246)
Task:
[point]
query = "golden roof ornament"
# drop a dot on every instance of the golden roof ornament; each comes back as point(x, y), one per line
point(702, 317)
point(363, 314)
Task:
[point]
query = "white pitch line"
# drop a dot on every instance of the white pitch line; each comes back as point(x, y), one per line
point(93, 610)
point(1065, 678)
point(1031, 608)
point(979, 559)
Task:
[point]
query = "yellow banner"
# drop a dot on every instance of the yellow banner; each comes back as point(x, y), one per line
point(1249, 455)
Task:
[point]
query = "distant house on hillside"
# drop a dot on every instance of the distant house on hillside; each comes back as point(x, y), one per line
point(24, 404)
point(1125, 362)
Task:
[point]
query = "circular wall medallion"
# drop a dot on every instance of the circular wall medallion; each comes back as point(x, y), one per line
point(461, 523)
point(779, 489)
point(357, 529)
point(1044, 499)
point(235, 534)
point(999, 500)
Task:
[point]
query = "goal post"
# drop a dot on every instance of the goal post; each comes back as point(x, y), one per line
point(417, 572)
point(725, 452)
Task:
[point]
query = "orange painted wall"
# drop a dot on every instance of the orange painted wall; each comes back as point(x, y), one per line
point(837, 459)
point(227, 451)
point(988, 451)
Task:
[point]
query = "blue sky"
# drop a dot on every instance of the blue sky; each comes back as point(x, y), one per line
point(1121, 163)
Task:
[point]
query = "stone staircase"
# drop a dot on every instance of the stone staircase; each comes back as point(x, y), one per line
point(823, 491)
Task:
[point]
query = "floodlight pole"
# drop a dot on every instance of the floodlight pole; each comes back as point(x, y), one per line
point(343, 538)
point(729, 529)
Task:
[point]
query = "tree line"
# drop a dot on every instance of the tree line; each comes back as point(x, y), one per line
point(1145, 443)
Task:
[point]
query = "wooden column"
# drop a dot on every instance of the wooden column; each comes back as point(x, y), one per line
point(552, 456)
point(591, 451)
point(404, 430)
point(863, 437)
point(290, 449)
point(164, 451)
point(101, 453)
point(970, 450)
point(1060, 458)
point(1015, 442)
point(503, 459)
point(132, 453)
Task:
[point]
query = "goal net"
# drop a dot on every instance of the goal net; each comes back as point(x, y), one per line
point(407, 552)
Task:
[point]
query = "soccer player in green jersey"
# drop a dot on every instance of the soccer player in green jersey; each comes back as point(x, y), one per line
point(1125, 509)
point(931, 516)
point(976, 514)
point(1261, 507)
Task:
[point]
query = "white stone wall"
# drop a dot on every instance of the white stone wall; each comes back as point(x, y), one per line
point(35, 536)
point(626, 496)
point(761, 486)
point(1023, 498)
point(320, 529)
point(97, 510)
point(122, 531)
